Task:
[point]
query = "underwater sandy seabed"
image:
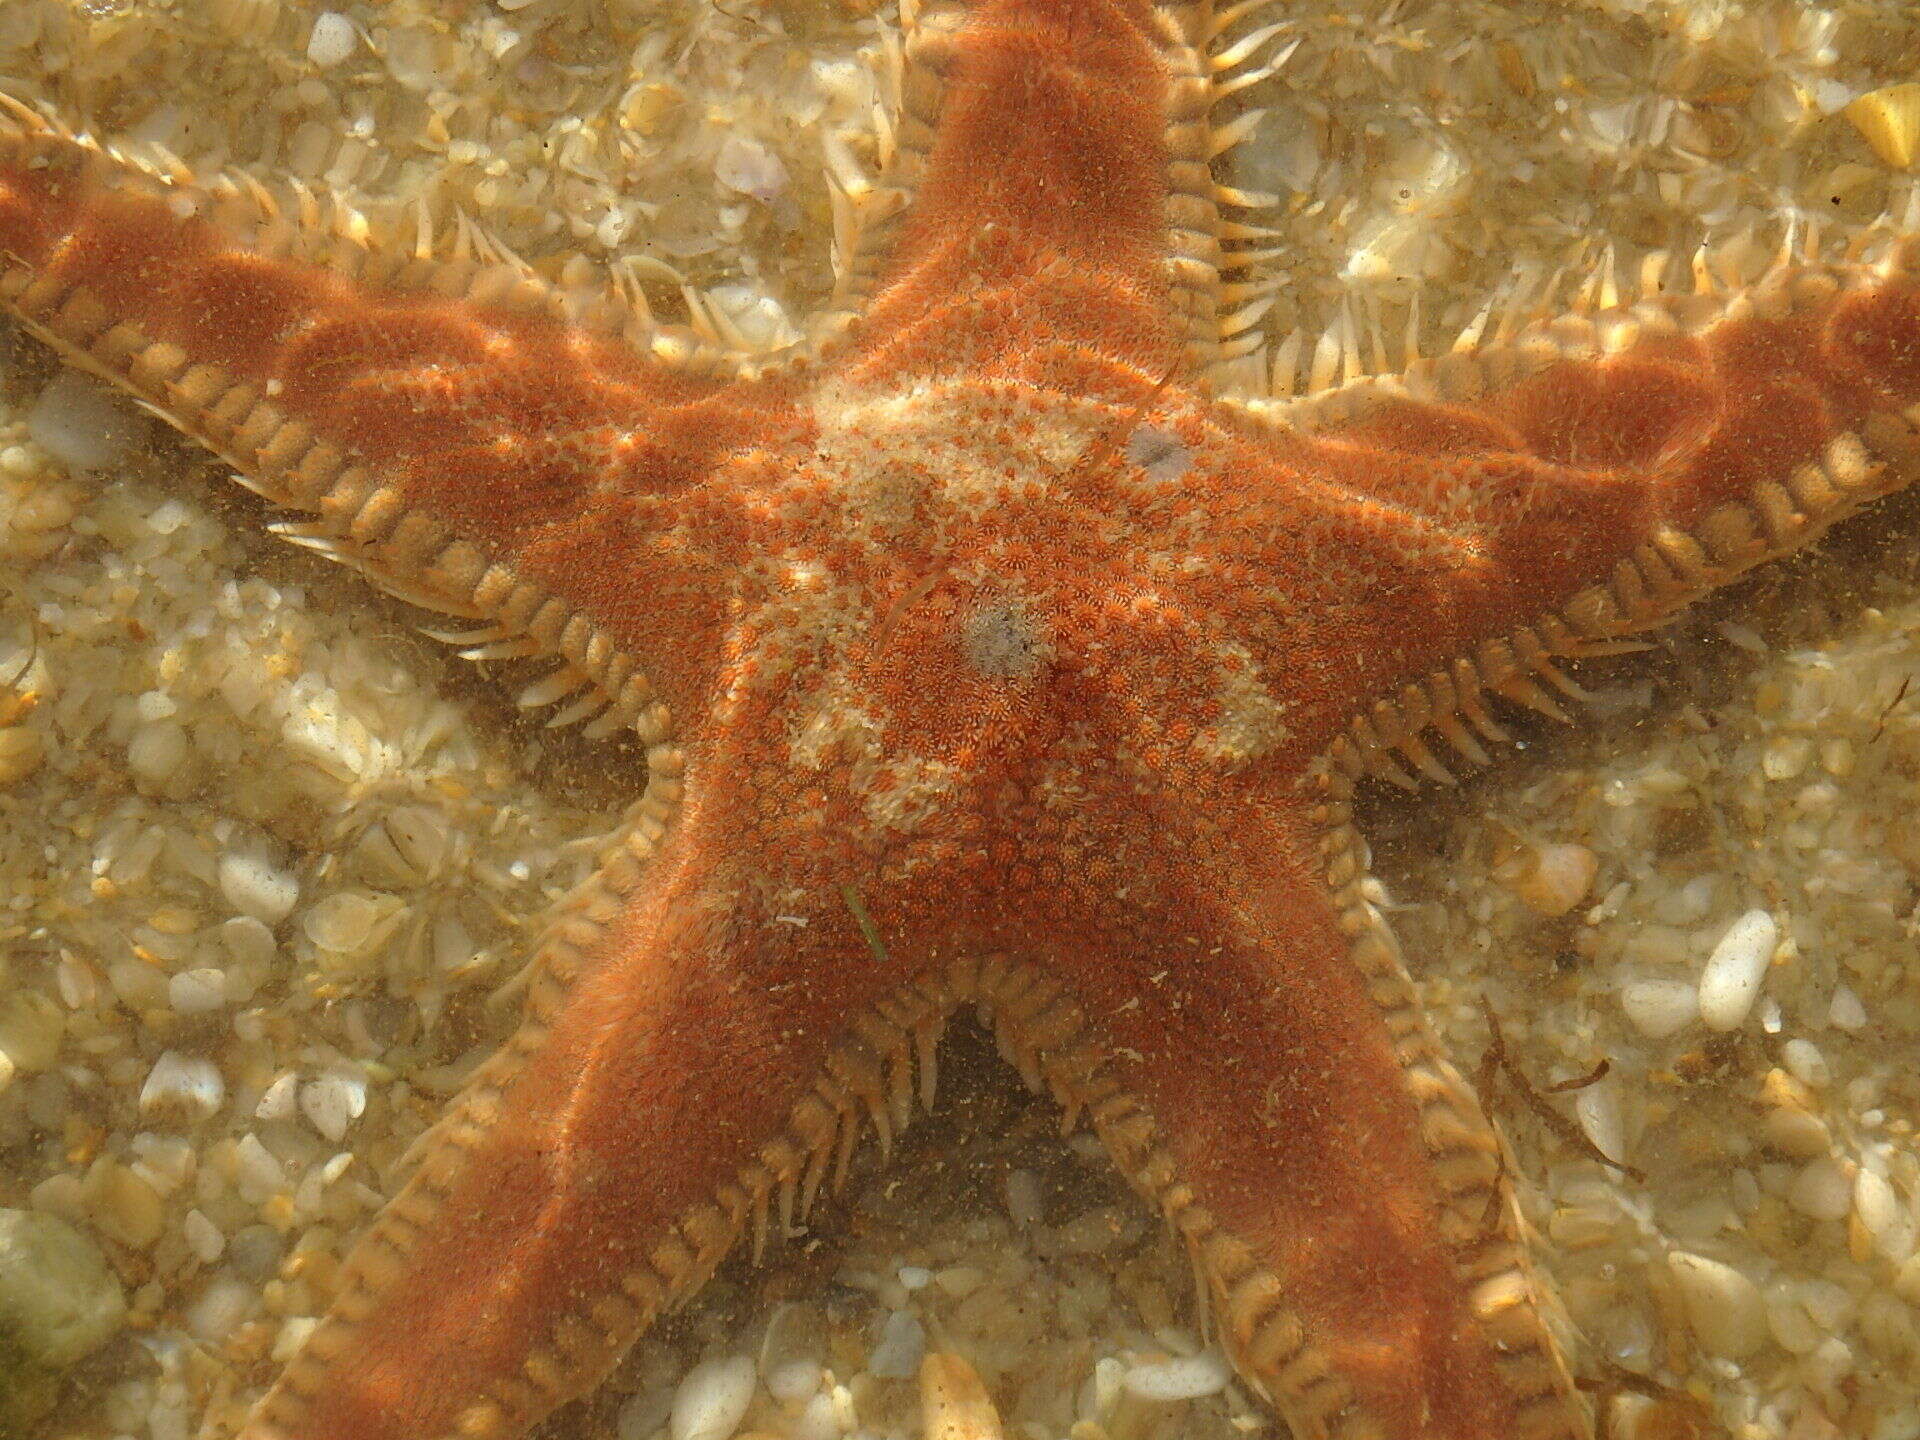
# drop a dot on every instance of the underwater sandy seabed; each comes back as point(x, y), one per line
point(266, 853)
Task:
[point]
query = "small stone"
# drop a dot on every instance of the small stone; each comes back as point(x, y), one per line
point(1806, 1063)
point(331, 40)
point(31, 1028)
point(259, 1174)
point(198, 991)
point(280, 1099)
point(712, 1399)
point(256, 1252)
point(183, 1089)
point(1875, 1202)
point(1730, 982)
point(1845, 1011)
point(58, 1303)
point(203, 1237)
point(1723, 1306)
point(897, 1353)
point(1822, 1190)
point(83, 424)
point(221, 1307)
point(124, 1205)
point(255, 887)
point(334, 1101)
point(793, 1382)
point(160, 755)
point(791, 1352)
point(960, 1281)
point(22, 752)
point(1659, 1008)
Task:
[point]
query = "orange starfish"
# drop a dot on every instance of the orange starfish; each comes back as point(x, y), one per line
point(980, 656)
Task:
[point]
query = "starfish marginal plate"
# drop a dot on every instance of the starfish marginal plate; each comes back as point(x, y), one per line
point(979, 655)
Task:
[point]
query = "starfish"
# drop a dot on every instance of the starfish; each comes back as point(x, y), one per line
point(980, 656)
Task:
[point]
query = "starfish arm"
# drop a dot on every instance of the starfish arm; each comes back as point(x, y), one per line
point(451, 431)
point(1541, 499)
point(1086, 220)
point(1255, 1061)
point(673, 1089)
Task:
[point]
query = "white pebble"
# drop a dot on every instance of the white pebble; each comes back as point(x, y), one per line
point(280, 1099)
point(222, 1306)
point(1730, 982)
point(187, 1087)
point(156, 752)
point(792, 1382)
point(1830, 1364)
point(334, 1101)
point(1794, 1331)
point(1845, 1011)
point(1187, 1377)
point(1723, 1306)
point(248, 942)
point(819, 1419)
point(1806, 1063)
point(81, 423)
point(255, 887)
point(1822, 1190)
point(203, 1237)
point(259, 1175)
point(1875, 1202)
point(712, 1399)
point(1659, 1008)
point(332, 39)
point(198, 991)
point(1831, 1304)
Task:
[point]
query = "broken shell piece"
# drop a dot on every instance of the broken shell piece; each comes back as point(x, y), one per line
point(1889, 119)
point(1552, 879)
point(954, 1405)
point(1793, 1125)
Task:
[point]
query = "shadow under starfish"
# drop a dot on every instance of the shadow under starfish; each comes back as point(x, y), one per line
point(1001, 642)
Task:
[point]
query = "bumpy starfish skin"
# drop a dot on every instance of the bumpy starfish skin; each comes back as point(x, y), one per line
point(981, 657)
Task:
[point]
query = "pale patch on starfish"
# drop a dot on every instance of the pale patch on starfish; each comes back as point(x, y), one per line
point(956, 455)
point(842, 736)
point(1251, 719)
